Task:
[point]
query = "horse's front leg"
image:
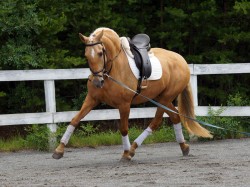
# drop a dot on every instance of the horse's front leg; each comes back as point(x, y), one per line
point(152, 127)
point(124, 115)
point(87, 106)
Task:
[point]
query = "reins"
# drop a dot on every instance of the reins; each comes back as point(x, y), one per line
point(170, 110)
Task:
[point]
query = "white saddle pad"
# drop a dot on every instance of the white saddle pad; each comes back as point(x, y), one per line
point(155, 63)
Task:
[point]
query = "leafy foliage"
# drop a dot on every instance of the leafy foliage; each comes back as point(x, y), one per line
point(37, 137)
point(238, 100)
point(229, 123)
point(233, 125)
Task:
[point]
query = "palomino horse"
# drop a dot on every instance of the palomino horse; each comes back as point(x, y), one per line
point(106, 56)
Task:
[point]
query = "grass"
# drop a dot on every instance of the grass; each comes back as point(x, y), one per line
point(90, 136)
point(108, 138)
point(164, 134)
point(13, 144)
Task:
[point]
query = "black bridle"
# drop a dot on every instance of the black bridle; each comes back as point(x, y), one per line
point(105, 61)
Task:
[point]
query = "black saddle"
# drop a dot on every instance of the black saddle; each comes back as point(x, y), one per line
point(139, 46)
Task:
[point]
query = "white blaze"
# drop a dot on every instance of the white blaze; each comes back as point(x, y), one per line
point(92, 52)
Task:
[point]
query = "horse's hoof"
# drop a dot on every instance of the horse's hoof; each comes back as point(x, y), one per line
point(126, 156)
point(185, 151)
point(57, 155)
point(125, 159)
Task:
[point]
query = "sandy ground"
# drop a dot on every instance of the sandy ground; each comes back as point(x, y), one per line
point(217, 163)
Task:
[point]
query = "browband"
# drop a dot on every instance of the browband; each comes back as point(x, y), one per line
point(91, 44)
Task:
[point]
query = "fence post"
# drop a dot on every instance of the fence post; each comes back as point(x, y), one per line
point(194, 86)
point(50, 99)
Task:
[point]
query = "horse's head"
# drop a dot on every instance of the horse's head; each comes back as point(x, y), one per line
point(95, 52)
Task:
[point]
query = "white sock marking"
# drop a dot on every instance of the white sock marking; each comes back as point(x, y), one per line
point(67, 134)
point(125, 142)
point(178, 133)
point(143, 136)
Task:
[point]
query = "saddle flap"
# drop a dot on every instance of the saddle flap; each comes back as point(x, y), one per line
point(141, 41)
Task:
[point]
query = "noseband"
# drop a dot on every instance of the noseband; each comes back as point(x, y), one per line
point(105, 61)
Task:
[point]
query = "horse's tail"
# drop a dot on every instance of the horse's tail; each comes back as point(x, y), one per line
point(186, 107)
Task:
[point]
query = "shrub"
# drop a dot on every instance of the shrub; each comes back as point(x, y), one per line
point(37, 137)
point(233, 125)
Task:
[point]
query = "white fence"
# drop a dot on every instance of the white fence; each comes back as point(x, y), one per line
point(52, 117)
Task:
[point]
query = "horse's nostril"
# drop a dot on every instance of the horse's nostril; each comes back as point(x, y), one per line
point(102, 83)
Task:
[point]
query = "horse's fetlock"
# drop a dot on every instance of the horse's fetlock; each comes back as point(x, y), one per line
point(60, 148)
point(132, 149)
point(185, 149)
point(126, 156)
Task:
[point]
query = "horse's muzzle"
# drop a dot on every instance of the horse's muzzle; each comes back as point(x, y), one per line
point(98, 81)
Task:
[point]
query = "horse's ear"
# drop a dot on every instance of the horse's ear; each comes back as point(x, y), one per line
point(83, 38)
point(99, 36)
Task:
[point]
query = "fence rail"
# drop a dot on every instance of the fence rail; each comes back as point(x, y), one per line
point(52, 117)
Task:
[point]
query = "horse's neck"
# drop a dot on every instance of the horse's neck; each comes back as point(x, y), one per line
point(114, 53)
point(120, 66)
point(112, 50)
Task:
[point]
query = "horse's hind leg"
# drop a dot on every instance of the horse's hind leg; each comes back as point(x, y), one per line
point(155, 124)
point(152, 127)
point(178, 129)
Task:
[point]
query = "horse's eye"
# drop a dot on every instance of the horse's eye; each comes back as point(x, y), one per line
point(100, 54)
